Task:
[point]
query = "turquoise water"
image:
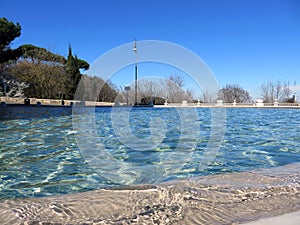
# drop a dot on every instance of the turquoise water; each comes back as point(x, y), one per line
point(39, 155)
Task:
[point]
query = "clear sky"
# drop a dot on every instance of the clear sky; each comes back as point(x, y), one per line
point(244, 42)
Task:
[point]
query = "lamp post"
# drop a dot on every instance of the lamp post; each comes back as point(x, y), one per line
point(127, 88)
point(5, 93)
point(136, 73)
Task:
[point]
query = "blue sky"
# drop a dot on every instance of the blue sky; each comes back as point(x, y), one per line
point(244, 42)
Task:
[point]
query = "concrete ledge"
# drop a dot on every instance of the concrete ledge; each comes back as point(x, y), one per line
point(286, 219)
point(56, 102)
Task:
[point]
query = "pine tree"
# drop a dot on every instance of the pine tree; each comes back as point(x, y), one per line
point(8, 32)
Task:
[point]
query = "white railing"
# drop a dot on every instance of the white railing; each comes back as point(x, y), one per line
point(34, 101)
point(232, 105)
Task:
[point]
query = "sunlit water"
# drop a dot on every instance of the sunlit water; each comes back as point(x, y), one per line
point(39, 155)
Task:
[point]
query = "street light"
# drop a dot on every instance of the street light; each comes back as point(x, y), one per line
point(136, 72)
point(127, 89)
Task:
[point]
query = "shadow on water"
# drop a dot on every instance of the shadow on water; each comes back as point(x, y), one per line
point(10, 112)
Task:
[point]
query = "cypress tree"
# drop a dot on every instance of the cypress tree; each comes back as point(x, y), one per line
point(73, 74)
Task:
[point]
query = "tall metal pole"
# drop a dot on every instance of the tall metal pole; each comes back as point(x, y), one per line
point(136, 73)
point(127, 102)
point(127, 89)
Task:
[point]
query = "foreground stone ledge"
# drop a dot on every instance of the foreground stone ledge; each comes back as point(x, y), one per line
point(230, 198)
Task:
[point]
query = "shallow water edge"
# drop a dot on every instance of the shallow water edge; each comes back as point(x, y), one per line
point(215, 199)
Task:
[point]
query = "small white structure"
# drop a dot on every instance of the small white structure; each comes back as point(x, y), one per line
point(198, 103)
point(234, 103)
point(219, 103)
point(184, 103)
point(259, 103)
point(166, 102)
point(276, 102)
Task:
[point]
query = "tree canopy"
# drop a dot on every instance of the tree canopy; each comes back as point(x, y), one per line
point(41, 54)
point(232, 92)
point(279, 91)
point(37, 71)
point(34, 71)
point(8, 32)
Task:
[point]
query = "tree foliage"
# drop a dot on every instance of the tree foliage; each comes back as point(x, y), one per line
point(38, 73)
point(34, 71)
point(154, 100)
point(232, 92)
point(72, 69)
point(158, 90)
point(276, 90)
point(95, 89)
point(8, 32)
point(41, 54)
point(44, 80)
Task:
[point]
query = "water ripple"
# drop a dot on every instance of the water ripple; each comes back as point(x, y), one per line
point(39, 155)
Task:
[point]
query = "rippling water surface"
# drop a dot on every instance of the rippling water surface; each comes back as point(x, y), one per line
point(39, 155)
